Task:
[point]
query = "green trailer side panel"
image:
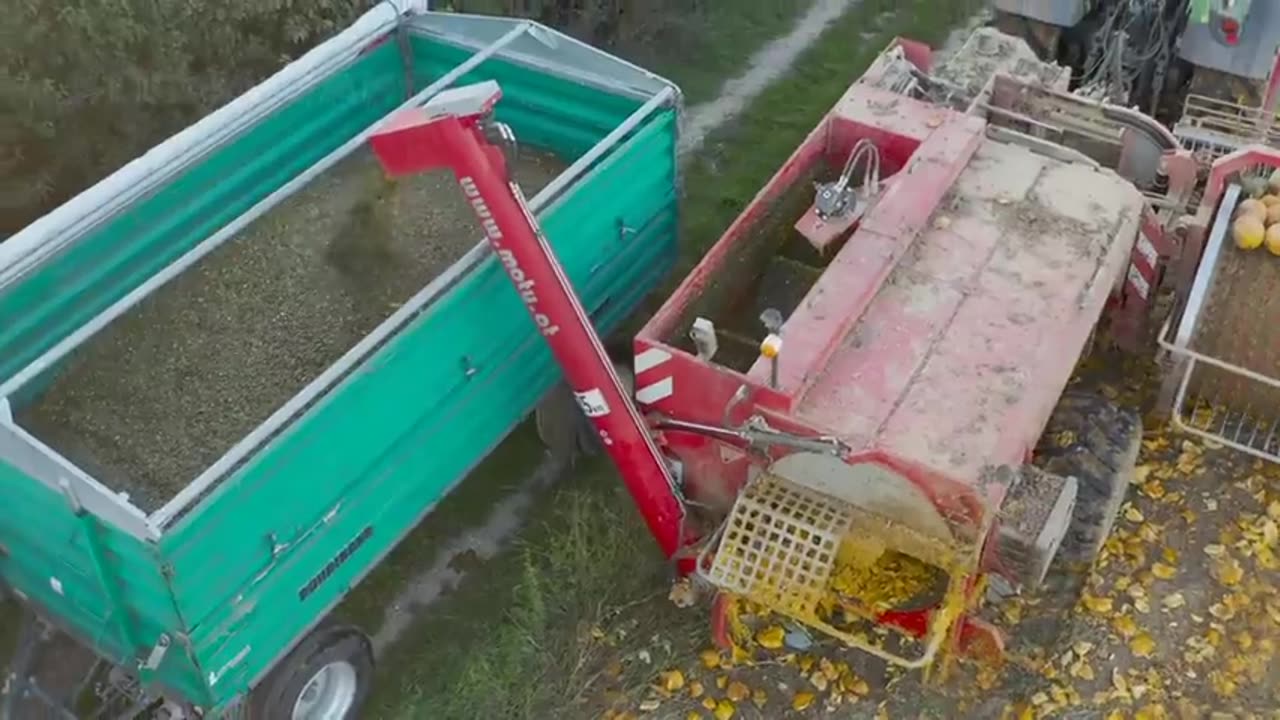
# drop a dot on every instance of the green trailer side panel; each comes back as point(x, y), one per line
point(525, 95)
point(398, 434)
point(99, 269)
point(47, 557)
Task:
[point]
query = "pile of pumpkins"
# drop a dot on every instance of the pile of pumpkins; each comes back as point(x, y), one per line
point(1257, 220)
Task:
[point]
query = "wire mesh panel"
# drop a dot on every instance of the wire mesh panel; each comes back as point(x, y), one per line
point(779, 545)
point(1213, 128)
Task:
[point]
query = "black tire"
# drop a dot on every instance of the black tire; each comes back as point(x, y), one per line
point(1095, 441)
point(564, 430)
point(276, 696)
point(560, 424)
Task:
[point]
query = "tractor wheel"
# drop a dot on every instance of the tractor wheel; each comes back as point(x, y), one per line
point(1095, 441)
point(326, 677)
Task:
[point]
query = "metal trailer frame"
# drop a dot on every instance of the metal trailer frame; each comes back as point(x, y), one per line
point(52, 232)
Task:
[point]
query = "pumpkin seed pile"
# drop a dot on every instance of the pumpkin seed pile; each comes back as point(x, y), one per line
point(166, 389)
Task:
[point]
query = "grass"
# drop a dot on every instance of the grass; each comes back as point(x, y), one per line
point(530, 636)
point(499, 475)
point(514, 640)
point(696, 44)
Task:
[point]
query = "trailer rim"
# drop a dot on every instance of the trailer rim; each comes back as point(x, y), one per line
point(329, 694)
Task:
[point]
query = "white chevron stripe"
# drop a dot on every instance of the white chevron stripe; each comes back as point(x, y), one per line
point(655, 392)
point(651, 358)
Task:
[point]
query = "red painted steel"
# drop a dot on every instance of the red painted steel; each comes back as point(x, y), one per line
point(415, 141)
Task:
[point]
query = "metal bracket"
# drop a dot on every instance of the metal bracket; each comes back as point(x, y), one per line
point(157, 653)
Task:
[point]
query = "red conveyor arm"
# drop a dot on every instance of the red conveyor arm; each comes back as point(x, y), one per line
point(450, 131)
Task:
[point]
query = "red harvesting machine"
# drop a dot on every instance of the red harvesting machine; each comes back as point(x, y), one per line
point(870, 369)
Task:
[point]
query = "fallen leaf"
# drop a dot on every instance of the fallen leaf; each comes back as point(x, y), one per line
point(737, 691)
point(650, 705)
point(1142, 645)
point(1222, 611)
point(1097, 605)
point(724, 710)
point(759, 697)
point(709, 703)
point(1082, 670)
point(722, 682)
point(1170, 555)
point(671, 680)
point(1124, 626)
point(696, 690)
point(1115, 715)
point(1173, 601)
point(1164, 572)
point(693, 715)
point(802, 701)
point(1133, 514)
point(819, 681)
point(710, 658)
point(1228, 571)
point(682, 593)
point(771, 638)
point(1150, 712)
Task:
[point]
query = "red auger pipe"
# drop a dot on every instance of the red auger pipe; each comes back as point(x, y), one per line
point(448, 132)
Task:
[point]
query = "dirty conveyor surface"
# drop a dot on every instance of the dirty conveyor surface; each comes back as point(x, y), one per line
point(166, 389)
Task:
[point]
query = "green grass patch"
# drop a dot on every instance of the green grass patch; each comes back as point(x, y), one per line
point(697, 44)
point(528, 635)
point(499, 475)
point(10, 620)
point(699, 49)
point(738, 160)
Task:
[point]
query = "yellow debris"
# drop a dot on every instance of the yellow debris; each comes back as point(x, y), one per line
point(693, 715)
point(1133, 514)
point(737, 691)
point(709, 703)
point(759, 697)
point(1163, 571)
point(696, 690)
point(888, 582)
point(710, 658)
point(1151, 712)
point(724, 710)
point(1142, 645)
point(1097, 605)
point(671, 680)
point(1228, 571)
point(771, 637)
point(802, 701)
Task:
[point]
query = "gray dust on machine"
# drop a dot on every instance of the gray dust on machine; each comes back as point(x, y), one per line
point(166, 389)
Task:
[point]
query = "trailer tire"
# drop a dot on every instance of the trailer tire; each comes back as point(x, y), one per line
point(564, 429)
point(334, 664)
point(1096, 441)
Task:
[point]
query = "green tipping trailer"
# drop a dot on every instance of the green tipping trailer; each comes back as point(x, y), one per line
point(215, 597)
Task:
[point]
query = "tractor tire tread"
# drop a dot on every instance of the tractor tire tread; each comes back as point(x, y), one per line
point(1101, 450)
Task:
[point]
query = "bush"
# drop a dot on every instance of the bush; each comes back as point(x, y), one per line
point(88, 85)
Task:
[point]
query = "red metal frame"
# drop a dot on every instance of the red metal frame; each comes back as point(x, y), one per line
point(451, 132)
point(825, 389)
